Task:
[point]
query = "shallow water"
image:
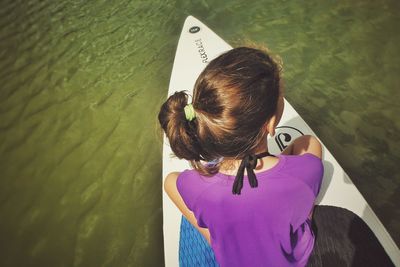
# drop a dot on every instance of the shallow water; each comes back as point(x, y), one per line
point(81, 84)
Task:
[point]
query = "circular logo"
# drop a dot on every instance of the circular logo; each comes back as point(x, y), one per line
point(194, 29)
point(284, 135)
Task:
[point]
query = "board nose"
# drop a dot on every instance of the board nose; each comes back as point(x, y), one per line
point(190, 20)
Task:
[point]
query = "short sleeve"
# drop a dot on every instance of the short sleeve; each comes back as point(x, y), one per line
point(312, 171)
point(187, 188)
point(306, 172)
point(308, 168)
point(190, 186)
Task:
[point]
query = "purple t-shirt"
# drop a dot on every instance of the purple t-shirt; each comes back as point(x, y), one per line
point(264, 226)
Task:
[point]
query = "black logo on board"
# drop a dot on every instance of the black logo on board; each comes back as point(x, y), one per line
point(285, 134)
point(194, 29)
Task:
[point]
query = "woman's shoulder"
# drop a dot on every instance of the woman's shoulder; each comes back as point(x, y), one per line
point(303, 145)
point(301, 161)
point(186, 185)
point(308, 144)
point(306, 167)
point(174, 187)
point(172, 178)
point(181, 180)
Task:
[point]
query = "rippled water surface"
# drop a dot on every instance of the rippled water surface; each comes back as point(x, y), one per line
point(80, 88)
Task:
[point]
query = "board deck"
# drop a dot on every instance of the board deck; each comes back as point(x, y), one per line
point(197, 46)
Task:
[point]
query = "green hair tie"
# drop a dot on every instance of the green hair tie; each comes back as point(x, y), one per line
point(189, 112)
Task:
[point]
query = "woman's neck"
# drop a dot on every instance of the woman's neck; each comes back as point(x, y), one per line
point(230, 166)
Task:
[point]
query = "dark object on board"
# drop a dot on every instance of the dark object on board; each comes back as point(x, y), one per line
point(344, 239)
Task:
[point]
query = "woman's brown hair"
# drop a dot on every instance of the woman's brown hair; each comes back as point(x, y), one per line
point(233, 98)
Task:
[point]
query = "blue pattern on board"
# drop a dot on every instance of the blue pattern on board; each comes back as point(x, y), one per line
point(193, 248)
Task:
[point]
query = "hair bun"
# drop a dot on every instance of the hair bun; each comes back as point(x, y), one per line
point(180, 132)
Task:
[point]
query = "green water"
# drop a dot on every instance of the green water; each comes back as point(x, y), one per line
point(81, 84)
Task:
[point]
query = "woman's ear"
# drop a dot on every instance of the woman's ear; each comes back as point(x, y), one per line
point(273, 122)
point(269, 127)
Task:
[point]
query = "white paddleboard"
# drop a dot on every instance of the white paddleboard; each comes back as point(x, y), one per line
point(197, 46)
